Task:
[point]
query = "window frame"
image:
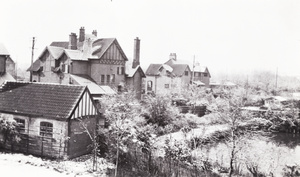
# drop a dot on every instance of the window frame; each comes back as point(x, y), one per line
point(21, 124)
point(46, 129)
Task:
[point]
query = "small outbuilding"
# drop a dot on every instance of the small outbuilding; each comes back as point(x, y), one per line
point(54, 120)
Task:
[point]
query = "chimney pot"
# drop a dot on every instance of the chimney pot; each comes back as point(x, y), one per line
point(81, 34)
point(173, 56)
point(94, 33)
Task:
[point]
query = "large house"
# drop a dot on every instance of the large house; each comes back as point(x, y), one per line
point(7, 66)
point(174, 74)
point(200, 74)
point(53, 119)
point(162, 78)
point(99, 60)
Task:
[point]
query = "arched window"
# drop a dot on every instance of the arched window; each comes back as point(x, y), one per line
point(46, 129)
point(149, 85)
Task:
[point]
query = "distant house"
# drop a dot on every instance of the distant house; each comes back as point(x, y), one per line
point(7, 66)
point(51, 117)
point(102, 60)
point(200, 74)
point(162, 78)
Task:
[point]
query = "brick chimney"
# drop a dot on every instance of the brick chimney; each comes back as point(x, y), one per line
point(73, 41)
point(94, 33)
point(136, 53)
point(81, 34)
point(173, 56)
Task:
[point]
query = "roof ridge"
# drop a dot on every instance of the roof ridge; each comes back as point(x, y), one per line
point(44, 83)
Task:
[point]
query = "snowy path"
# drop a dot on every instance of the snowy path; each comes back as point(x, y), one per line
point(16, 169)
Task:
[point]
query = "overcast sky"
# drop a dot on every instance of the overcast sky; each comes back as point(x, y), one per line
point(224, 35)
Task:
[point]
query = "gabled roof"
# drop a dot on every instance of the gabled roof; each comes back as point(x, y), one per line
point(3, 50)
point(178, 69)
point(100, 46)
point(130, 72)
point(196, 68)
point(54, 51)
point(153, 69)
point(54, 101)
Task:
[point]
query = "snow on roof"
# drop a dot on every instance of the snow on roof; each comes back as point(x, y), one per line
point(3, 50)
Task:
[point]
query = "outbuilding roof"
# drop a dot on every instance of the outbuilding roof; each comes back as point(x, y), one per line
point(54, 101)
point(3, 50)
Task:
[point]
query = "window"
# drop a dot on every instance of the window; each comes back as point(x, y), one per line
point(108, 79)
point(46, 129)
point(186, 73)
point(149, 86)
point(57, 63)
point(166, 85)
point(21, 124)
point(123, 70)
point(113, 78)
point(205, 74)
point(118, 70)
point(102, 79)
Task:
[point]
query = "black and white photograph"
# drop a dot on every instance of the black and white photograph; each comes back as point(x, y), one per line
point(150, 88)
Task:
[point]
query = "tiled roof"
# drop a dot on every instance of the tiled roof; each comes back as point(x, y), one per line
point(39, 99)
point(153, 69)
point(3, 50)
point(178, 69)
point(61, 44)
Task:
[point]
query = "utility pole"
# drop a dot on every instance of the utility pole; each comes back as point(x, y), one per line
point(193, 73)
point(276, 77)
point(32, 54)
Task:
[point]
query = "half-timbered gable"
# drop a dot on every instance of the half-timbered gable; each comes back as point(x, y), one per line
point(84, 107)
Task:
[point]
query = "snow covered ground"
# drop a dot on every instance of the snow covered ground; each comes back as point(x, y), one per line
point(16, 165)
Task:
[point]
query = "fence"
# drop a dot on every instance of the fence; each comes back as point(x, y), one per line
point(33, 143)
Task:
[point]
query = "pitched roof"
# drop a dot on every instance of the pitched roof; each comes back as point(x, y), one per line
point(178, 69)
point(54, 51)
point(39, 99)
point(196, 68)
point(100, 46)
point(3, 50)
point(74, 54)
point(6, 77)
point(61, 44)
point(94, 88)
point(153, 69)
point(35, 66)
